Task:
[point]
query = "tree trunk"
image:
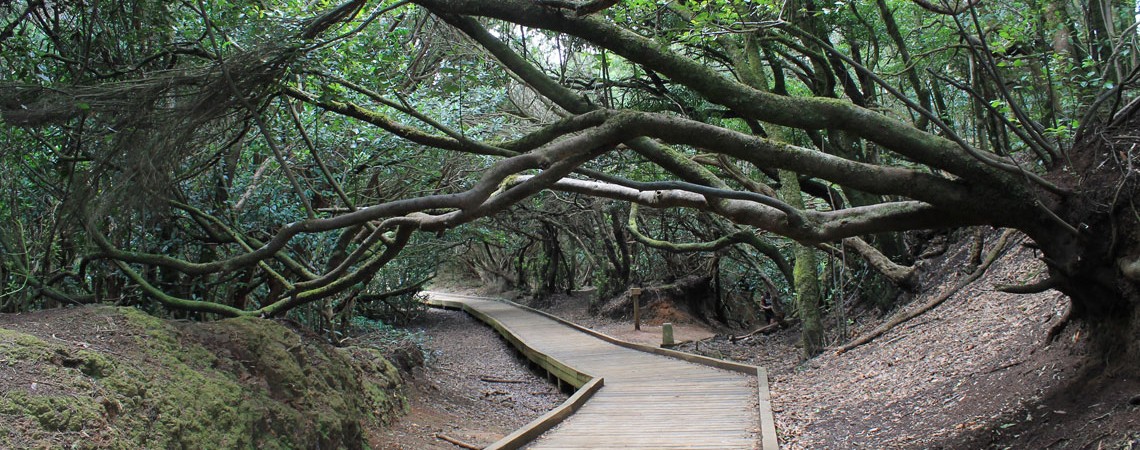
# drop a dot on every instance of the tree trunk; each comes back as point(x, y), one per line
point(552, 258)
point(805, 276)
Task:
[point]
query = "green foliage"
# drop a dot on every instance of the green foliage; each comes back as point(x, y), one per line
point(188, 134)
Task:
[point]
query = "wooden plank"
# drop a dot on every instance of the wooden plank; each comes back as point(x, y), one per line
point(767, 420)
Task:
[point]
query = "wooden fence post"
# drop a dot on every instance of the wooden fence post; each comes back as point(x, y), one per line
point(636, 294)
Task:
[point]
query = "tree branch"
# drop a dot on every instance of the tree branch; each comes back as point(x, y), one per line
point(803, 113)
point(819, 226)
point(737, 237)
point(173, 302)
point(580, 9)
point(903, 276)
point(948, 9)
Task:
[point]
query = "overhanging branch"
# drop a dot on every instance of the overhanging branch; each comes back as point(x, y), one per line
point(737, 237)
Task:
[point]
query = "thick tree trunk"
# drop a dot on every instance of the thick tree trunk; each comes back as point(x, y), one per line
point(1102, 296)
point(624, 268)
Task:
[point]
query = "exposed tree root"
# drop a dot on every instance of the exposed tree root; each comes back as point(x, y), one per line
point(1031, 288)
point(905, 316)
point(487, 379)
point(900, 275)
point(1055, 330)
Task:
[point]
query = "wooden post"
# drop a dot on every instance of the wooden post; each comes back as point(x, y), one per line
point(667, 335)
point(636, 294)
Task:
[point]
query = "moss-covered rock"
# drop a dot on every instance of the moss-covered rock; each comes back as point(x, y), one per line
point(235, 383)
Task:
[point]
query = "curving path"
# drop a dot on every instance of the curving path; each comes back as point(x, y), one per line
point(628, 398)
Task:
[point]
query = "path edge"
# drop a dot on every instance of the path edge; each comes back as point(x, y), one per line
point(585, 383)
point(552, 418)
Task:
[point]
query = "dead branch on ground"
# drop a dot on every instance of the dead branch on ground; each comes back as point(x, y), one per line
point(487, 379)
point(905, 316)
point(457, 442)
point(767, 329)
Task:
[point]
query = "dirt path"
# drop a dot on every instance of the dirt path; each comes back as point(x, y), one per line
point(975, 372)
point(449, 397)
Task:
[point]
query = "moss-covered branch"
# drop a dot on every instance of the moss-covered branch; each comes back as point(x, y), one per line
point(360, 275)
point(809, 113)
point(903, 276)
point(173, 302)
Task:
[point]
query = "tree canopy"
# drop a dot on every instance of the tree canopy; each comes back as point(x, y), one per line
point(322, 159)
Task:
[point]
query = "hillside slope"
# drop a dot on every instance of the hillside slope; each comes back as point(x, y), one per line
point(975, 372)
point(103, 377)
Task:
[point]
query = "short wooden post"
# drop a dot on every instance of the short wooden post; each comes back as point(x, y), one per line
point(667, 335)
point(636, 294)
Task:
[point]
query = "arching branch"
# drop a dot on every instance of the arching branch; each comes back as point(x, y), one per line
point(819, 226)
point(903, 276)
point(798, 112)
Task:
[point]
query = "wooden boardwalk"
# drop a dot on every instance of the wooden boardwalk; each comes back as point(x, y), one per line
point(646, 401)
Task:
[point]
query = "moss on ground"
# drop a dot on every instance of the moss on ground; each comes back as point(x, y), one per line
point(52, 412)
point(235, 383)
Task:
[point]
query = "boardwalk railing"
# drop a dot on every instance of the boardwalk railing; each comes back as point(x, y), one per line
point(586, 383)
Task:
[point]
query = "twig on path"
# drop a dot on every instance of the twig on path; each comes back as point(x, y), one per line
point(1096, 440)
point(905, 316)
point(487, 379)
point(458, 442)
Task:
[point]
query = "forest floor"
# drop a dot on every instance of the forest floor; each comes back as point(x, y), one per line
point(116, 378)
point(975, 372)
point(473, 387)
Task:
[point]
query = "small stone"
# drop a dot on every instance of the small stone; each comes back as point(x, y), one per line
point(1135, 400)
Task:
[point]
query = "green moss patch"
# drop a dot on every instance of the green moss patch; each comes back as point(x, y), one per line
point(53, 412)
point(235, 383)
